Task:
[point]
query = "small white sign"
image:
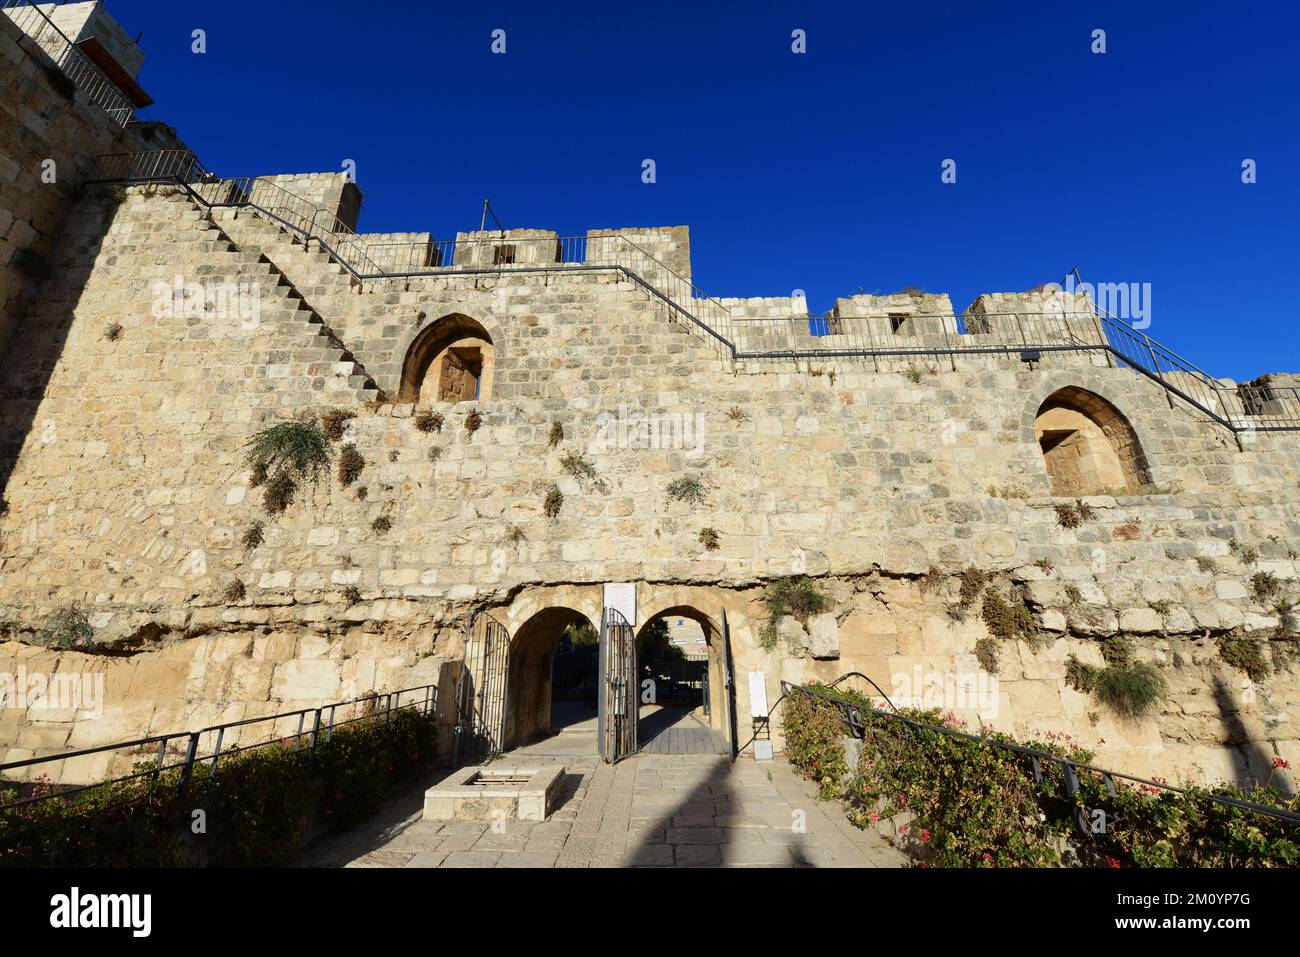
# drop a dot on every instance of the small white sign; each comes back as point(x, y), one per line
point(757, 694)
point(621, 596)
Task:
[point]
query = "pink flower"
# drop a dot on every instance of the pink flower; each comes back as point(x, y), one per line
point(1280, 763)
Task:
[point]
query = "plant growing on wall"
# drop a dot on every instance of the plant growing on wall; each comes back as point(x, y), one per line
point(252, 536)
point(351, 464)
point(556, 436)
point(737, 414)
point(335, 422)
point(382, 525)
point(1246, 654)
point(113, 331)
point(352, 594)
point(553, 502)
point(690, 490)
point(473, 421)
point(1073, 514)
point(986, 653)
point(1264, 585)
point(797, 596)
point(1007, 620)
point(234, 592)
point(1247, 554)
point(67, 629)
point(284, 455)
point(578, 465)
point(1129, 688)
point(429, 422)
point(709, 539)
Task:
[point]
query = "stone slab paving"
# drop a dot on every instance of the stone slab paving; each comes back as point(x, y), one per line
point(651, 810)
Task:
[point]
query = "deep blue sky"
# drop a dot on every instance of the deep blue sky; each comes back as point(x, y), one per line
point(817, 171)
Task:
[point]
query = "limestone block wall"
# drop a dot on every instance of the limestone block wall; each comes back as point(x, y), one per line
point(333, 193)
point(39, 124)
point(670, 246)
point(869, 480)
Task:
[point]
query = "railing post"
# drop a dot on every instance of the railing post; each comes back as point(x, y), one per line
point(315, 734)
point(216, 751)
point(187, 772)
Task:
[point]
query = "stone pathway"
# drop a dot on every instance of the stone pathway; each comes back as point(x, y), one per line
point(651, 810)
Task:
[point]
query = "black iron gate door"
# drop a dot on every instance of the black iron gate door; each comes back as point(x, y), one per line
point(483, 687)
point(729, 686)
point(619, 694)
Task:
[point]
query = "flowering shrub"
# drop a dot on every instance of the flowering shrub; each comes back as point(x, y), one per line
point(972, 804)
point(814, 742)
point(258, 810)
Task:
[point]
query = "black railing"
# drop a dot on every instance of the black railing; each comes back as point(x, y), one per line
point(75, 65)
point(184, 750)
point(1077, 326)
point(852, 713)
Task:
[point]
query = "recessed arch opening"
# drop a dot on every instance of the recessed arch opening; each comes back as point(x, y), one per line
point(1088, 445)
point(452, 360)
point(551, 684)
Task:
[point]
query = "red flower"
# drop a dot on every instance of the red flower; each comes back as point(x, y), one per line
point(1279, 763)
point(1111, 862)
point(925, 836)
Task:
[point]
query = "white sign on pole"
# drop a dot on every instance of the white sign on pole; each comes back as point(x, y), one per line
point(621, 596)
point(757, 694)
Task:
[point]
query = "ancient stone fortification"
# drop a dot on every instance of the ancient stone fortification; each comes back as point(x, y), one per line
point(126, 414)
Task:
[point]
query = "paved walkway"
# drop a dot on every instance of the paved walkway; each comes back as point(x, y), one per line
point(651, 810)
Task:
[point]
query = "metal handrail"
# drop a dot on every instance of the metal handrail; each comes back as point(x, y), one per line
point(851, 713)
point(1086, 330)
point(28, 17)
point(386, 703)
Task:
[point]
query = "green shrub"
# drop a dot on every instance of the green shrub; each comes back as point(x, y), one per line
point(797, 596)
point(1006, 620)
point(1129, 690)
point(1246, 654)
point(578, 465)
point(690, 490)
point(68, 629)
point(814, 742)
point(986, 653)
point(977, 805)
point(283, 455)
point(1264, 585)
point(259, 807)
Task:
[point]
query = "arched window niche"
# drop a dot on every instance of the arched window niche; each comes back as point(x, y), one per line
point(450, 361)
point(1088, 445)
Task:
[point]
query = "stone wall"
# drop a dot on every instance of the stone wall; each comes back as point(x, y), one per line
point(43, 120)
point(129, 493)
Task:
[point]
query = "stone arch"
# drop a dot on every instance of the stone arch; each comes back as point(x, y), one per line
point(528, 684)
point(712, 628)
point(453, 359)
point(1087, 444)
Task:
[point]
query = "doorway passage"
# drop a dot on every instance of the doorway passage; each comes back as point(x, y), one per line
point(675, 711)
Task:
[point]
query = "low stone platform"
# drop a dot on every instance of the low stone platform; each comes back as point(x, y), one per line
point(495, 793)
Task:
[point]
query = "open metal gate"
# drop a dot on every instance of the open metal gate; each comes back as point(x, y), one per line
point(619, 700)
point(729, 686)
point(483, 687)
